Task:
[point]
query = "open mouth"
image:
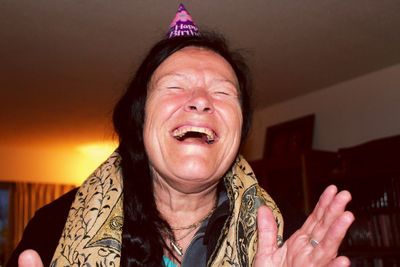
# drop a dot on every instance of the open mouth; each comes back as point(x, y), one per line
point(195, 133)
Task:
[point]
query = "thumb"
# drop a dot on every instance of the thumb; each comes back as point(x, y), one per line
point(29, 258)
point(267, 231)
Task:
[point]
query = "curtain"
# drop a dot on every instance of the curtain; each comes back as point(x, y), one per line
point(26, 198)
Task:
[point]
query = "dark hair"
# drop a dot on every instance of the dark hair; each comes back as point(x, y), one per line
point(142, 242)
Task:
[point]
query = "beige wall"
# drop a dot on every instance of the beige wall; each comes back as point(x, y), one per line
point(348, 113)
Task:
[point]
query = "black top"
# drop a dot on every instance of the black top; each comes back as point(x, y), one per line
point(44, 230)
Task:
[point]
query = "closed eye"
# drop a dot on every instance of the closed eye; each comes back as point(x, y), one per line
point(174, 87)
point(222, 93)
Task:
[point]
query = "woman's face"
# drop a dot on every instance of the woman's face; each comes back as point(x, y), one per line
point(193, 119)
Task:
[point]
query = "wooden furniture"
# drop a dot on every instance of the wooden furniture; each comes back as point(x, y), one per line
point(280, 169)
point(371, 172)
point(318, 170)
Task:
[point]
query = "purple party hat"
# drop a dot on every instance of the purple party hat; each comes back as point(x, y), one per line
point(182, 24)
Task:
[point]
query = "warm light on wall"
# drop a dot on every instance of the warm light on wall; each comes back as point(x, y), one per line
point(90, 157)
point(53, 163)
point(97, 152)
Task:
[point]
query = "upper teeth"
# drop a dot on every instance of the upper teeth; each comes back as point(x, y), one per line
point(180, 132)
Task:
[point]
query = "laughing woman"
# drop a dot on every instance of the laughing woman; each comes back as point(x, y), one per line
point(177, 192)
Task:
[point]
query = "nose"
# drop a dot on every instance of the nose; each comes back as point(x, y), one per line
point(199, 101)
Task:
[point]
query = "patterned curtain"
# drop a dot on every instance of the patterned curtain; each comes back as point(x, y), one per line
point(26, 198)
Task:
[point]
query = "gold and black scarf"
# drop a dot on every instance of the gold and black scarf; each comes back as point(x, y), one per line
point(92, 232)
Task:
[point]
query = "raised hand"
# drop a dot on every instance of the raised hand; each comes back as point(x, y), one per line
point(29, 258)
point(316, 243)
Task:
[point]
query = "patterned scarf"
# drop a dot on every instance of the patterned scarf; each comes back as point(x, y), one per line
point(92, 232)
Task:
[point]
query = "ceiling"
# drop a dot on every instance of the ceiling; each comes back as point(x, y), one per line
point(64, 63)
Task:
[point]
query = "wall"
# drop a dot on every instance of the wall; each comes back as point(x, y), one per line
point(347, 114)
point(52, 162)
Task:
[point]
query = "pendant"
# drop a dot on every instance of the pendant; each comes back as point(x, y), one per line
point(177, 248)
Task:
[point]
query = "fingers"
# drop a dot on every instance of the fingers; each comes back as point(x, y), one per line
point(267, 231)
point(324, 201)
point(340, 262)
point(331, 213)
point(327, 225)
point(29, 258)
point(330, 243)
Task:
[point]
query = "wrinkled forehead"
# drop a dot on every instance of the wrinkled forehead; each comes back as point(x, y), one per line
point(193, 57)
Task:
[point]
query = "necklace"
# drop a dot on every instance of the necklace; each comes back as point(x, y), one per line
point(193, 225)
point(174, 241)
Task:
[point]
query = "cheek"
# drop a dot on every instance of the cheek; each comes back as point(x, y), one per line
point(147, 122)
point(232, 114)
point(155, 110)
point(150, 123)
point(158, 113)
point(164, 105)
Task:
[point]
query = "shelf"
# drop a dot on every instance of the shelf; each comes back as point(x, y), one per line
point(376, 211)
point(371, 252)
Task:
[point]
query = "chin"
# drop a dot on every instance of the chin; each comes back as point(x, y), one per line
point(196, 174)
point(196, 184)
point(198, 171)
